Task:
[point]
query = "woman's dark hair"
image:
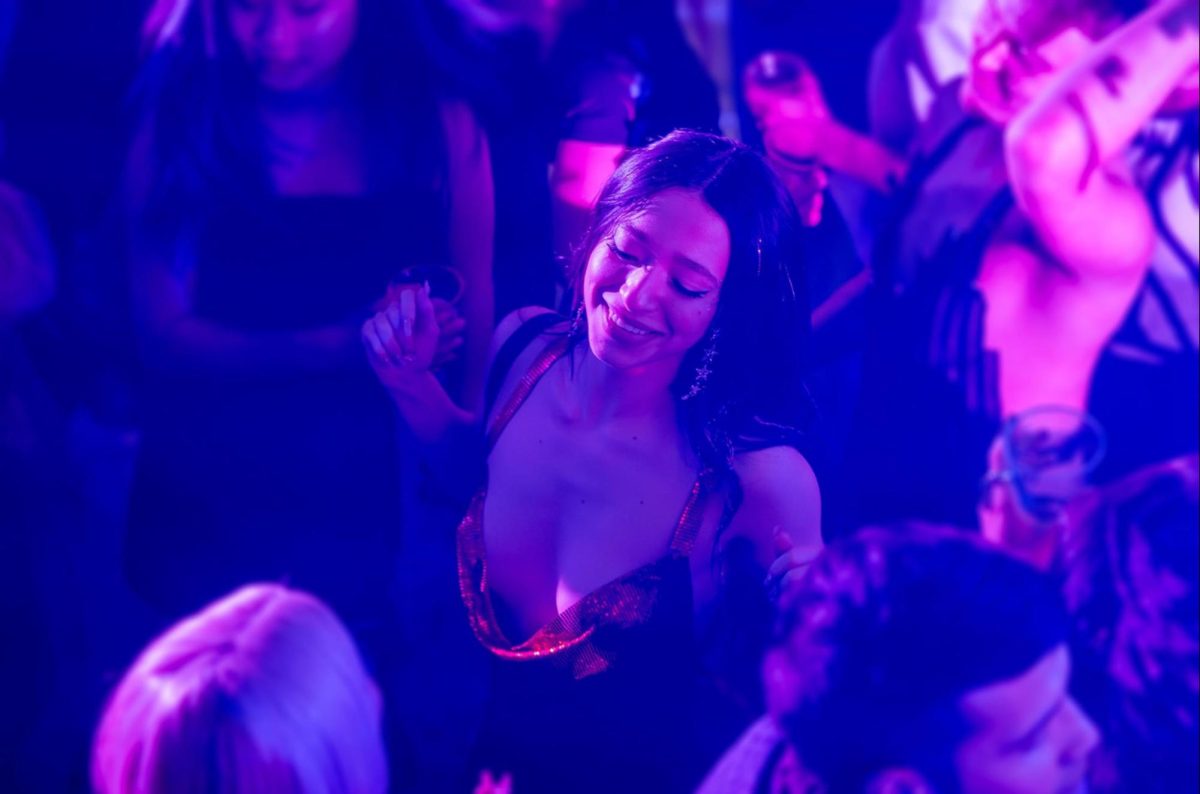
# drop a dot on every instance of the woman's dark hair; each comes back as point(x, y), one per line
point(886, 633)
point(1132, 579)
point(754, 395)
point(196, 96)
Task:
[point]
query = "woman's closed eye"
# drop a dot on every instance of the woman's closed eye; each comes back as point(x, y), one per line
point(686, 291)
point(624, 256)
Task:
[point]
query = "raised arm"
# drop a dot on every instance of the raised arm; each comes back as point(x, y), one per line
point(472, 226)
point(1064, 151)
point(802, 128)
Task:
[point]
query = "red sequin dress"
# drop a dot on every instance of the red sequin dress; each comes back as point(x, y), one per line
point(602, 698)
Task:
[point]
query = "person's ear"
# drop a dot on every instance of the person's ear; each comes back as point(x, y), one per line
point(898, 781)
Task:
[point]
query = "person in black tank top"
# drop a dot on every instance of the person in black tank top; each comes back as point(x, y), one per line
point(274, 198)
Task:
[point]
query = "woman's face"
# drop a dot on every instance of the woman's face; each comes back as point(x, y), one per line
point(294, 45)
point(651, 287)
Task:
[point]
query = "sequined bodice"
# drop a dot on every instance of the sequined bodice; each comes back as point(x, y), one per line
point(589, 636)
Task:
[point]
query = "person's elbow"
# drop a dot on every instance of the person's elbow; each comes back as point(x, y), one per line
point(1048, 154)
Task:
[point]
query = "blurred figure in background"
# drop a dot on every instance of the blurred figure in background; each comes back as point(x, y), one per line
point(627, 77)
point(262, 690)
point(929, 46)
point(1127, 554)
point(916, 659)
point(295, 159)
point(585, 80)
point(1133, 587)
point(1014, 278)
point(570, 87)
point(827, 166)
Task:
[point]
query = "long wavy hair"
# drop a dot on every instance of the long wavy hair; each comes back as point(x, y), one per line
point(754, 396)
point(196, 99)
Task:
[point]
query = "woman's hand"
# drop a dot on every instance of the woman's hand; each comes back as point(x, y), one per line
point(403, 337)
point(791, 562)
point(451, 325)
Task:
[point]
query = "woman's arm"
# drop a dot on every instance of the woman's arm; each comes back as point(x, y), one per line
point(472, 226)
point(1064, 151)
point(401, 342)
point(780, 512)
point(833, 145)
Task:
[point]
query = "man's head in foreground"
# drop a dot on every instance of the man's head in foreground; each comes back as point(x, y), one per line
point(919, 659)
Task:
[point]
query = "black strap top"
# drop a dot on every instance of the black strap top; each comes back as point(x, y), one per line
point(589, 636)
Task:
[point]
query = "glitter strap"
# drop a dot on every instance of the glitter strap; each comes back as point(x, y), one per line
point(541, 366)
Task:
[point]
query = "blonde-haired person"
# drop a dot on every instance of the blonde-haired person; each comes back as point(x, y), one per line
point(261, 691)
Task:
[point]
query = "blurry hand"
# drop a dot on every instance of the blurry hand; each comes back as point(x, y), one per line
point(795, 126)
point(791, 562)
point(402, 338)
point(489, 785)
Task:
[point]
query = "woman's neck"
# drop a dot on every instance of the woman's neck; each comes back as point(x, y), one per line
point(598, 393)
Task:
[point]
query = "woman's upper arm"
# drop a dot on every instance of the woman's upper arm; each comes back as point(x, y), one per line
point(779, 490)
point(1100, 227)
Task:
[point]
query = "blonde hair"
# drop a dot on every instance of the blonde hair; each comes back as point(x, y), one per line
point(261, 691)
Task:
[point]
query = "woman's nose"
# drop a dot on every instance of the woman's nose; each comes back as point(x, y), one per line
point(641, 287)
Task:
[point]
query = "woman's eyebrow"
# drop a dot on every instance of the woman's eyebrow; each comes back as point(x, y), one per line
point(684, 261)
point(696, 267)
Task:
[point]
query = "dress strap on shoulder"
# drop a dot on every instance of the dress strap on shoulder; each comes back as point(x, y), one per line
point(556, 350)
point(512, 348)
point(683, 540)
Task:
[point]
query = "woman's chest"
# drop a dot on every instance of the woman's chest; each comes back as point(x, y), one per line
point(568, 512)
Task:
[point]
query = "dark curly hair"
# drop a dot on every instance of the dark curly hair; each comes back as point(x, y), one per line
point(887, 631)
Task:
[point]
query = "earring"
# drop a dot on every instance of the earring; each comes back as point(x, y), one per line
point(705, 369)
point(575, 330)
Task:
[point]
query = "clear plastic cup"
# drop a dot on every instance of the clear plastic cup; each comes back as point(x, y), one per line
point(1047, 455)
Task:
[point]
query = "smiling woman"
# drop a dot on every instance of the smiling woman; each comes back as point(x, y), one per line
point(632, 454)
point(651, 290)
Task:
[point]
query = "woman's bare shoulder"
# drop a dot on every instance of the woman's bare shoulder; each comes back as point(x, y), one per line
point(524, 359)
